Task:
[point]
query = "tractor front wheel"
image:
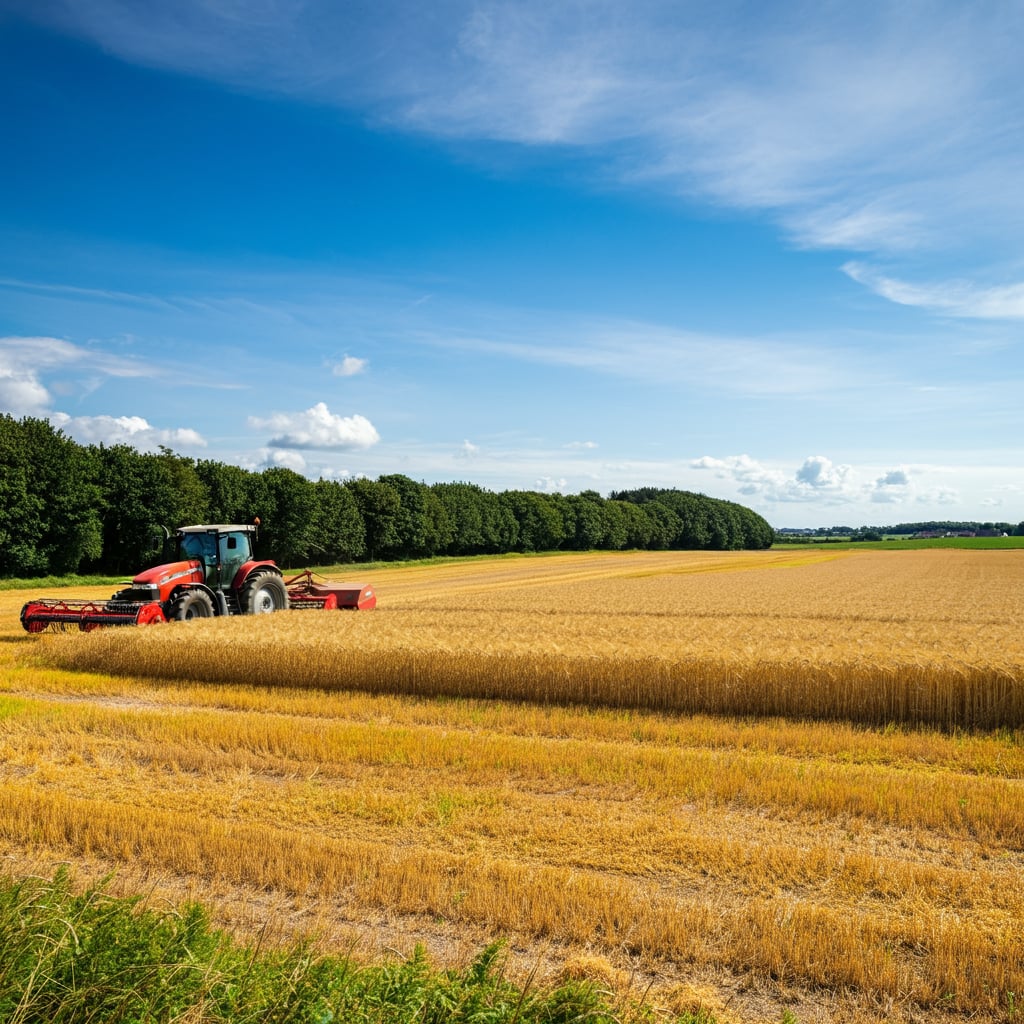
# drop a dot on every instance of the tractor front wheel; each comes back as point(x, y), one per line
point(192, 604)
point(264, 592)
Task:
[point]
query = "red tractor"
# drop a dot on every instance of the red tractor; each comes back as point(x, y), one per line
point(214, 573)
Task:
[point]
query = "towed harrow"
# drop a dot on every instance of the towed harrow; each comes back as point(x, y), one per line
point(305, 592)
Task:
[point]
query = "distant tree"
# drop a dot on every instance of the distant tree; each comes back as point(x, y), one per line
point(380, 506)
point(541, 524)
point(424, 525)
point(228, 491)
point(584, 522)
point(288, 531)
point(665, 525)
point(638, 524)
point(478, 521)
point(465, 508)
point(140, 493)
point(699, 521)
point(339, 534)
point(49, 500)
point(615, 525)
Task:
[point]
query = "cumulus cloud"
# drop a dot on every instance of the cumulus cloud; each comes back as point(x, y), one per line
point(317, 427)
point(22, 393)
point(817, 479)
point(586, 445)
point(281, 458)
point(468, 450)
point(130, 430)
point(820, 473)
point(939, 496)
point(550, 484)
point(891, 487)
point(349, 367)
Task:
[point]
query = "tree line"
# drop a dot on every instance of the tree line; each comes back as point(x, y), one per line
point(69, 508)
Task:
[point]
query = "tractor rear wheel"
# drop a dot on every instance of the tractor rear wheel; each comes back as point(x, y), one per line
point(192, 604)
point(263, 592)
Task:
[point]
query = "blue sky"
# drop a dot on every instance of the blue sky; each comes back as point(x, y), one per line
point(767, 252)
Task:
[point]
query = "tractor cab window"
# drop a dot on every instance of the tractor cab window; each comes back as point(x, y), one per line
point(199, 545)
point(234, 551)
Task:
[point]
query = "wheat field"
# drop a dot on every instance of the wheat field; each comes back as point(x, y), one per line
point(750, 783)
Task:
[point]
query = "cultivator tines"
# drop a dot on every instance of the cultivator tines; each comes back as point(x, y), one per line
point(305, 592)
point(58, 615)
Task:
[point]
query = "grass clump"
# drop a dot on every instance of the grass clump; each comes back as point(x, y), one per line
point(79, 958)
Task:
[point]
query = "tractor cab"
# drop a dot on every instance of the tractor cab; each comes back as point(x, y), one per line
point(223, 550)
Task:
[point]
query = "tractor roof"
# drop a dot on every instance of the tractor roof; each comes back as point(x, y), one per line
point(218, 527)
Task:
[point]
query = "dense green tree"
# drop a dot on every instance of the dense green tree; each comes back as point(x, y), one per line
point(480, 523)
point(424, 524)
point(541, 524)
point(288, 531)
point(615, 525)
point(665, 525)
point(49, 500)
point(585, 523)
point(338, 529)
point(228, 490)
point(703, 522)
point(638, 524)
point(380, 506)
point(131, 514)
point(464, 506)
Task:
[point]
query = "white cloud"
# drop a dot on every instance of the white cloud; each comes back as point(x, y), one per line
point(939, 496)
point(584, 445)
point(551, 485)
point(22, 394)
point(468, 450)
point(130, 430)
point(891, 487)
point(818, 479)
point(820, 473)
point(280, 458)
point(349, 367)
point(318, 427)
point(953, 298)
point(24, 361)
point(36, 354)
point(893, 478)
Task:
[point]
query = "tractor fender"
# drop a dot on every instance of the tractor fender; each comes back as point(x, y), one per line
point(178, 591)
point(248, 568)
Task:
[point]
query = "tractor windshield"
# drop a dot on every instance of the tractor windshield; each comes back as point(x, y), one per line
point(222, 553)
point(199, 545)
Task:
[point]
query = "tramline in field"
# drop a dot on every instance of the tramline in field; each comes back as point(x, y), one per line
point(213, 573)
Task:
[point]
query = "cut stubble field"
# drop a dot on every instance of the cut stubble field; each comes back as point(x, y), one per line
point(750, 782)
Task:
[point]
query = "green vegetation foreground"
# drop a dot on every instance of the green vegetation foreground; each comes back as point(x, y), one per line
point(85, 957)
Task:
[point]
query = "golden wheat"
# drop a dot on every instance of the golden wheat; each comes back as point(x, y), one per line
point(869, 867)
